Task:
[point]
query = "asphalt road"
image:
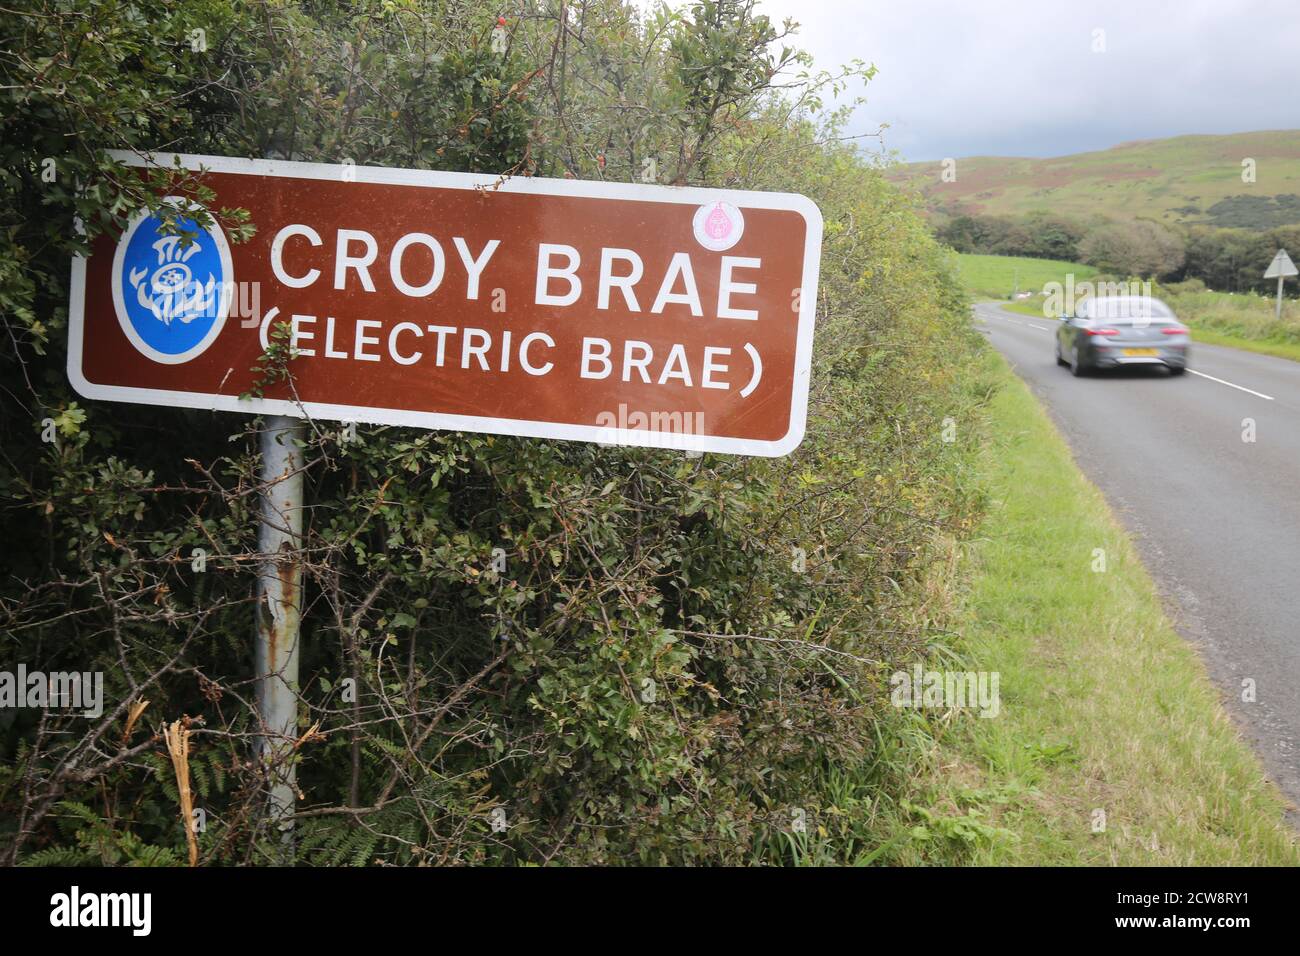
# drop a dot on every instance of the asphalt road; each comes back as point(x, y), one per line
point(1216, 518)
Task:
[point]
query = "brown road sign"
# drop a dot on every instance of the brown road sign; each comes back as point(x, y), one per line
point(608, 312)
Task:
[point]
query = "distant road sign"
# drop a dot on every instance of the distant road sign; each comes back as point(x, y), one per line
point(626, 314)
point(1281, 266)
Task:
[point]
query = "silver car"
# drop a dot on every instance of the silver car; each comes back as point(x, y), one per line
point(1111, 331)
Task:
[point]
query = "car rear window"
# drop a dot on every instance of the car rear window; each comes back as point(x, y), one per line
point(1126, 309)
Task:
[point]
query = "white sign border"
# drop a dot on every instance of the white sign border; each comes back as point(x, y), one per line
point(637, 192)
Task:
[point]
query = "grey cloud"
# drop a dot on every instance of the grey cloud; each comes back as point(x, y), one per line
point(1019, 77)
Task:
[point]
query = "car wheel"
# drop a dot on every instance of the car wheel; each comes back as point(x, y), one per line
point(1059, 359)
point(1076, 367)
point(1177, 369)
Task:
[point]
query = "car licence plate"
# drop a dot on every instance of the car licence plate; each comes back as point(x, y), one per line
point(1141, 352)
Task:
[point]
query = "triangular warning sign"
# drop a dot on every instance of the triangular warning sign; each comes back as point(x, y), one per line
point(1282, 266)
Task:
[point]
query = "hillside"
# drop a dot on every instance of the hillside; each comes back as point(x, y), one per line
point(1185, 179)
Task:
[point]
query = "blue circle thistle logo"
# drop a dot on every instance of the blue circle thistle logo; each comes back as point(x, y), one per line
point(172, 295)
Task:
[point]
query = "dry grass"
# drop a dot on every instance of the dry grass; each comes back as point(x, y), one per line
point(177, 738)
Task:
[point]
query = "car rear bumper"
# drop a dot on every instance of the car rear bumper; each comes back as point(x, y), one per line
point(1116, 356)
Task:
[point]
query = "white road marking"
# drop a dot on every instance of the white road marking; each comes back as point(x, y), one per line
point(1230, 384)
point(1040, 328)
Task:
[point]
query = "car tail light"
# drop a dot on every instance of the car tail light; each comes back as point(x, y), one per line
point(1102, 331)
point(1174, 330)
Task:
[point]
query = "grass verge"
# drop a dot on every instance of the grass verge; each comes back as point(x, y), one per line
point(1030, 307)
point(1104, 707)
point(1286, 350)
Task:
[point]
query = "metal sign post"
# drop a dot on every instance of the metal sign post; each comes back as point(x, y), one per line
point(1281, 267)
point(279, 608)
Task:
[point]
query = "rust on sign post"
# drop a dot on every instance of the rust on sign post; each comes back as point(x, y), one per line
point(615, 313)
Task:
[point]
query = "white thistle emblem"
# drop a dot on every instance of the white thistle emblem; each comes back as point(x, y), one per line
point(172, 292)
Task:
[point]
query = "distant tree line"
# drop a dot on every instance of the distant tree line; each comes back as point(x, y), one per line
point(1233, 260)
point(1040, 235)
point(1227, 260)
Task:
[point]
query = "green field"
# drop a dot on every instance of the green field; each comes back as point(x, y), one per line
point(1185, 179)
point(997, 277)
point(1111, 746)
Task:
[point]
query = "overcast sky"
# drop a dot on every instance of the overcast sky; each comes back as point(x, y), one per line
point(1020, 78)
